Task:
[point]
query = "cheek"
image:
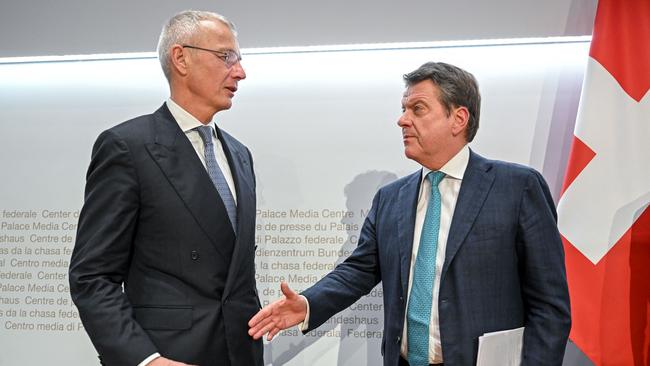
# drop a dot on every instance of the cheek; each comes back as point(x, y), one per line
point(428, 138)
point(419, 131)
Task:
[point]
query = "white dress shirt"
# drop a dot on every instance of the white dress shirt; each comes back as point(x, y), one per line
point(188, 123)
point(449, 187)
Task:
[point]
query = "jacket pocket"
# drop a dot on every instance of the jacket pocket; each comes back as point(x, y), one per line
point(163, 317)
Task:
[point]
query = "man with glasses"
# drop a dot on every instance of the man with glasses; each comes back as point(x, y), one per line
point(163, 268)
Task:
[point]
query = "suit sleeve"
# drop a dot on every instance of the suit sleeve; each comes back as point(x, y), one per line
point(102, 253)
point(350, 280)
point(544, 286)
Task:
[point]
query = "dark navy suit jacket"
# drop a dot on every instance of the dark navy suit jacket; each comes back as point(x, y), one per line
point(503, 269)
point(153, 221)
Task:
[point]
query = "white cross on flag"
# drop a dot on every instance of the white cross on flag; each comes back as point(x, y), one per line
point(604, 217)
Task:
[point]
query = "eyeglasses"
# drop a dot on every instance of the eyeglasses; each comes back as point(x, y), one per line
point(229, 57)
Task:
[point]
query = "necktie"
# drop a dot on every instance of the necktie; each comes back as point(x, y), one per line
point(217, 176)
point(419, 308)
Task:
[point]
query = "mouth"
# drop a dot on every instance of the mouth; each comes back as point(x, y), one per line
point(408, 140)
point(232, 89)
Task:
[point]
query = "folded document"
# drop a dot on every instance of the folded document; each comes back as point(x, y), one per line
point(501, 348)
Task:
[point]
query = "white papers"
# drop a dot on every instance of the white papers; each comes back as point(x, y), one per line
point(501, 348)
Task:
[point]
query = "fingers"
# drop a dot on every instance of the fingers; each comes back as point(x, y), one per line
point(279, 315)
point(287, 292)
point(272, 333)
point(261, 315)
point(261, 324)
point(262, 328)
point(267, 311)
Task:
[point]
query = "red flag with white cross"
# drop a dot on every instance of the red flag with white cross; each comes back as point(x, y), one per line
point(604, 216)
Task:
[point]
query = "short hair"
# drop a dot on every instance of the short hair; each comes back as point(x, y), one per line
point(181, 29)
point(458, 88)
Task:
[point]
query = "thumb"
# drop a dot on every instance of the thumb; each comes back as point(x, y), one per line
point(287, 292)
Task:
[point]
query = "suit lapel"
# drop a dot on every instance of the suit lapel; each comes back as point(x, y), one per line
point(407, 201)
point(241, 172)
point(477, 182)
point(176, 157)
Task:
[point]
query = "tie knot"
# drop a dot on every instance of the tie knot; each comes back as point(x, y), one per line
point(435, 178)
point(206, 134)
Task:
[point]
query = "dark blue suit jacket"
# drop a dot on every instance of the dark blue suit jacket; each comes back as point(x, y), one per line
point(154, 222)
point(504, 265)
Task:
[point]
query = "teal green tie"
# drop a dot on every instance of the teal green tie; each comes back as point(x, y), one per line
point(419, 309)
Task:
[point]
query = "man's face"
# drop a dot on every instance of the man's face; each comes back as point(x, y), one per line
point(427, 128)
point(211, 82)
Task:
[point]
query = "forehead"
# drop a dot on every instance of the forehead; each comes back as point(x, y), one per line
point(424, 90)
point(217, 33)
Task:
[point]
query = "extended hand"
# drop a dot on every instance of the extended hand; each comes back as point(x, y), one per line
point(284, 313)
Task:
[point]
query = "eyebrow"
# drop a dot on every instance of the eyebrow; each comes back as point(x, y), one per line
point(414, 100)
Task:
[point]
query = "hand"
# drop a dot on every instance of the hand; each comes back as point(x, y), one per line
point(284, 313)
point(162, 361)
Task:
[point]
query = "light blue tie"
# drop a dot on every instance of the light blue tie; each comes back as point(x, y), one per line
point(217, 176)
point(419, 308)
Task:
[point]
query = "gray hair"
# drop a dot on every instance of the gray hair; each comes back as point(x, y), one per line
point(458, 88)
point(180, 29)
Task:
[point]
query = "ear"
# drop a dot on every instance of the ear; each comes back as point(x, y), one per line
point(179, 59)
point(461, 118)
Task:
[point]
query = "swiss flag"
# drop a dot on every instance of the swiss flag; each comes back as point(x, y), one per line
point(603, 212)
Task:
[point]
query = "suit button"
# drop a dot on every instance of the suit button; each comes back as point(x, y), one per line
point(398, 339)
point(401, 298)
point(194, 255)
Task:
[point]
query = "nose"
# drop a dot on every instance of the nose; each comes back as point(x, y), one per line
point(238, 71)
point(403, 120)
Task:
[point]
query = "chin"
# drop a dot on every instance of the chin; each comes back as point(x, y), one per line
point(222, 106)
point(408, 149)
point(410, 154)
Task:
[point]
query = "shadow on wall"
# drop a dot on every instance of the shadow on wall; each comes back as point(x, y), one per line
point(359, 319)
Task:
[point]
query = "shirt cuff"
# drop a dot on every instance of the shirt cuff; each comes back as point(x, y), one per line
point(149, 359)
point(305, 323)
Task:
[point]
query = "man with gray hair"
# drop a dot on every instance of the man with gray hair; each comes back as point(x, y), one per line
point(163, 268)
point(463, 246)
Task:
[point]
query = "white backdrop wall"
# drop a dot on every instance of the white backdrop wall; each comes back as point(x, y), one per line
point(322, 129)
point(69, 27)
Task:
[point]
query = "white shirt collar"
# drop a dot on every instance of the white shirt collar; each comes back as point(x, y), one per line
point(185, 120)
point(454, 168)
